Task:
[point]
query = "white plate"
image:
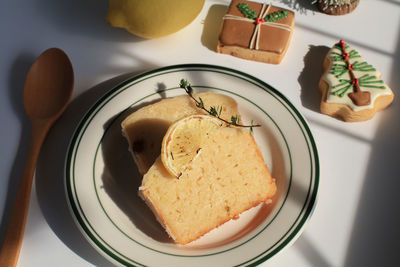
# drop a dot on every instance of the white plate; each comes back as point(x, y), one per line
point(102, 180)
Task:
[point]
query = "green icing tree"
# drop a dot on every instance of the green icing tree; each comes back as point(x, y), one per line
point(246, 10)
point(342, 66)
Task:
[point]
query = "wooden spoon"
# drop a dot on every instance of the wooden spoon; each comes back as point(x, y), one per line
point(47, 91)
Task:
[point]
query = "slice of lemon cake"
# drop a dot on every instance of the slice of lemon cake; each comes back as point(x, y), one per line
point(145, 128)
point(223, 175)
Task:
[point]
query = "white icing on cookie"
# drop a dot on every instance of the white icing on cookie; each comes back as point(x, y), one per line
point(332, 80)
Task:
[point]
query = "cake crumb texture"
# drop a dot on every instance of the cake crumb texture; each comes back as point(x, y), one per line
point(228, 177)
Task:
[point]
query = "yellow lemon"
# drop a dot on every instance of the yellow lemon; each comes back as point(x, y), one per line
point(184, 140)
point(153, 18)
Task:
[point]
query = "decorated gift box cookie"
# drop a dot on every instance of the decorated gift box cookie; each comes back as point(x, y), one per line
point(351, 88)
point(255, 31)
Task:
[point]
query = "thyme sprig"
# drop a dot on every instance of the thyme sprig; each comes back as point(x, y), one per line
point(215, 111)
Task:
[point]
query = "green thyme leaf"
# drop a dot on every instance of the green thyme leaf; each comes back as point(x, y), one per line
point(186, 85)
point(200, 104)
point(213, 111)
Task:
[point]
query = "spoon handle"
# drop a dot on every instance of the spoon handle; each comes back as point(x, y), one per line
point(9, 251)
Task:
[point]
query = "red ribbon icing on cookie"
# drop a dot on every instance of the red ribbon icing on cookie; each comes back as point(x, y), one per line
point(355, 81)
point(259, 21)
point(342, 43)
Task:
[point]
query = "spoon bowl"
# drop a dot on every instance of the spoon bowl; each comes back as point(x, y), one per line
point(47, 91)
point(48, 85)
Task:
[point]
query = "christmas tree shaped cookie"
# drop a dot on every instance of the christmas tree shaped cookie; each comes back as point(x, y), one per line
point(351, 88)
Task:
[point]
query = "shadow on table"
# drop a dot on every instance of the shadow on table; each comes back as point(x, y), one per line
point(310, 75)
point(212, 26)
point(86, 18)
point(50, 173)
point(311, 252)
point(18, 72)
point(376, 233)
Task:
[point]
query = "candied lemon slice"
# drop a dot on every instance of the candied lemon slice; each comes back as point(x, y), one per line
point(183, 141)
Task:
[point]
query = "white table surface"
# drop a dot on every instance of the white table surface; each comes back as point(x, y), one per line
point(356, 220)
